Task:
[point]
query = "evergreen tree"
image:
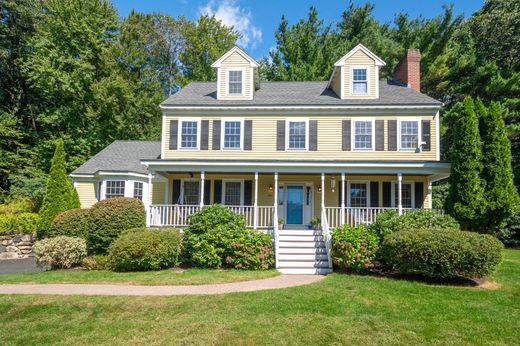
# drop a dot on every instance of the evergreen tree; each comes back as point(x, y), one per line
point(501, 195)
point(465, 199)
point(59, 194)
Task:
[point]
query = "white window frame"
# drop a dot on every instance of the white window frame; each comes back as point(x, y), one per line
point(133, 189)
point(223, 198)
point(349, 193)
point(129, 180)
point(223, 133)
point(352, 68)
point(419, 134)
point(179, 133)
point(125, 187)
point(287, 134)
point(181, 197)
point(353, 133)
point(243, 70)
point(394, 192)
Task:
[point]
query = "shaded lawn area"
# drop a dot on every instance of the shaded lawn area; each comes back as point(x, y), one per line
point(343, 309)
point(190, 276)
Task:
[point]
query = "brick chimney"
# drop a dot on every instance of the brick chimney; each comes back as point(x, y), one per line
point(408, 70)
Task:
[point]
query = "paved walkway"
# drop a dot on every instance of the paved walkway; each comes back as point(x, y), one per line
point(281, 281)
point(19, 265)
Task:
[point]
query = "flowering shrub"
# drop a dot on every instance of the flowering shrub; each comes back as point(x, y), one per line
point(354, 248)
point(252, 251)
point(60, 252)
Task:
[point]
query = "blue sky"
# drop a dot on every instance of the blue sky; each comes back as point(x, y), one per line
point(258, 20)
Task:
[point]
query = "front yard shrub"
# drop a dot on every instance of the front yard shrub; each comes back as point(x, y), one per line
point(19, 223)
point(354, 248)
point(18, 206)
point(71, 223)
point(96, 262)
point(252, 251)
point(509, 231)
point(145, 249)
point(441, 253)
point(60, 252)
point(110, 217)
point(215, 218)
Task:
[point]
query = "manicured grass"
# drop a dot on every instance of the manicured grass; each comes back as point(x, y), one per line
point(342, 309)
point(161, 277)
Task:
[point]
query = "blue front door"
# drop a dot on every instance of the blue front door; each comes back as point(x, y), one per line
point(294, 205)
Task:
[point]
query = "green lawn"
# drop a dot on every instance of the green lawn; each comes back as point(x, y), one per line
point(161, 277)
point(342, 309)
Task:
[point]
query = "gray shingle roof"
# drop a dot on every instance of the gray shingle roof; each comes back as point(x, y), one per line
point(297, 93)
point(122, 156)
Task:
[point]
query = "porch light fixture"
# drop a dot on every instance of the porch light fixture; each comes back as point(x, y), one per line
point(319, 188)
point(270, 188)
point(333, 184)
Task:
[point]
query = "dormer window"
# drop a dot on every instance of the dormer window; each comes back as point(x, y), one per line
point(235, 82)
point(360, 81)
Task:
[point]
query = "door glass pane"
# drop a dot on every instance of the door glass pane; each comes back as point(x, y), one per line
point(232, 193)
point(191, 193)
point(358, 195)
point(294, 205)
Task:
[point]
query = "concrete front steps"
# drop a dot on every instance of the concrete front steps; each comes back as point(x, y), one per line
point(302, 252)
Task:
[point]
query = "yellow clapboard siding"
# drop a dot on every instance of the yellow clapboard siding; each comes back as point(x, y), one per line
point(359, 58)
point(87, 193)
point(235, 61)
point(158, 188)
point(329, 141)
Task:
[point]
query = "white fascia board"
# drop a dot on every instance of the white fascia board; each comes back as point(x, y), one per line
point(108, 173)
point(236, 49)
point(337, 107)
point(378, 60)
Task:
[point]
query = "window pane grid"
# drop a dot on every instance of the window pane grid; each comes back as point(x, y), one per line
point(191, 193)
point(406, 195)
point(358, 195)
point(138, 190)
point(189, 134)
point(297, 135)
point(363, 135)
point(232, 135)
point(115, 188)
point(232, 193)
point(235, 82)
point(409, 134)
point(360, 83)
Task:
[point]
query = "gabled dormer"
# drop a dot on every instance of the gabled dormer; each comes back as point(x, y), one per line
point(356, 74)
point(237, 75)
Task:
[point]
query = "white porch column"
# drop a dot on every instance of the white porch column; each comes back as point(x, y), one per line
point(399, 193)
point(201, 197)
point(343, 193)
point(255, 204)
point(323, 198)
point(275, 212)
point(430, 193)
point(149, 201)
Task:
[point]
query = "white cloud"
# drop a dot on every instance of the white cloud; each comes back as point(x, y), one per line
point(231, 14)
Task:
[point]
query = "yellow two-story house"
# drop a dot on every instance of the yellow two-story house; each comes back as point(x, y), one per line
point(283, 154)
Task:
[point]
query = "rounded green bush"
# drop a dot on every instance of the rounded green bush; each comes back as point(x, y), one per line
point(19, 223)
point(215, 218)
point(252, 251)
point(72, 223)
point(354, 248)
point(109, 218)
point(60, 252)
point(145, 249)
point(441, 253)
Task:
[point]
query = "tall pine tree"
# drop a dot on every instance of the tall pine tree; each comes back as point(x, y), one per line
point(59, 195)
point(465, 199)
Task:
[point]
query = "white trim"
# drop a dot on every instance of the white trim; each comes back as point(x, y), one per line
point(105, 173)
point(235, 69)
point(377, 81)
point(342, 81)
point(179, 133)
point(219, 87)
point(163, 135)
point(353, 133)
point(419, 134)
point(302, 107)
point(374, 57)
point(252, 82)
point(287, 135)
point(351, 86)
point(236, 49)
point(224, 182)
point(437, 137)
point(349, 193)
point(223, 129)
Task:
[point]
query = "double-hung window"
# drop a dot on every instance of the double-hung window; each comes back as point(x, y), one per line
point(115, 188)
point(191, 192)
point(409, 134)
point(363, 134)
point(138, 190)
point(232, 193)
point(232, 134)
point(406, 195)
point(297, 138)
point(359, 81)
point(358, 195)
point(235, 82)
point(189, 134)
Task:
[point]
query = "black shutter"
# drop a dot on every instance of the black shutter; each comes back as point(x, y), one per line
point(207, 191)
point(387, 194)
point(392, 135)
point(174, 129)
point(313, 135)
point(216, 135)
point(380, 135)
point(248, 134)
point(426, 135)
point(346, 135)
point(248, 192)
point(204, 132)
point(374, 194)
point(217, 192)
point(176, 191)
point(280, 135)
point(419, 194)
